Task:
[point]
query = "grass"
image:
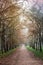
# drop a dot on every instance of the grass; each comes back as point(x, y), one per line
point(7, 53)
point(36, 53)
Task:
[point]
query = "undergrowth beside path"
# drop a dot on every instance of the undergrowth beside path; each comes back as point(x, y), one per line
point(37, 53)
point(7, 53)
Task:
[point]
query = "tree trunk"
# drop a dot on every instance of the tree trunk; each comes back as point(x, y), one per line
point(40, 39)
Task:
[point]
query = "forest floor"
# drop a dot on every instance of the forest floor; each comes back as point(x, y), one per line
point(21, 57)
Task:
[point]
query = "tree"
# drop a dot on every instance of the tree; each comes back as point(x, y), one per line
point(37, 16)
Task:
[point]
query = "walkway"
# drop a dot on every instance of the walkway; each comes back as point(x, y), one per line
point(21, 57)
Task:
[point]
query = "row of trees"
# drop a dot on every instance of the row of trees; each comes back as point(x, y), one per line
point(8, 21)
point(37, 16)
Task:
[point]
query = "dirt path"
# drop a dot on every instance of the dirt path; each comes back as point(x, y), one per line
point(21, 57)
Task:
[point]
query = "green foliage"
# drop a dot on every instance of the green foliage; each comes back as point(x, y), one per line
point(7, 53)
point(36, 53)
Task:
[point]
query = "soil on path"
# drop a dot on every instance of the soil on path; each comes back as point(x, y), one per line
point(21, 57)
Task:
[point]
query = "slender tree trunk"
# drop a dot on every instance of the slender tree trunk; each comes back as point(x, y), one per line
point(36, 45)
point(40, 39)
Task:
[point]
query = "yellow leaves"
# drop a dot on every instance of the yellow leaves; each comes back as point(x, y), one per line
point(11, 11)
